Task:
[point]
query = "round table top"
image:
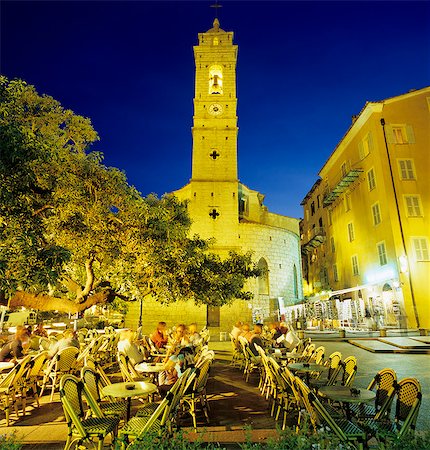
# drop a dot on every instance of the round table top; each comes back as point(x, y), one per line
point(6, 365)
point(346, 394)
point(127, 389)
point(307, 367)
point(149, 367)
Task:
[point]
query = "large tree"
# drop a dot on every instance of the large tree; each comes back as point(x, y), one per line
point(74, 233)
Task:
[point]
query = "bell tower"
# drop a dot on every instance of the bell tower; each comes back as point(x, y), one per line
point(212, 192)
point(215, 121)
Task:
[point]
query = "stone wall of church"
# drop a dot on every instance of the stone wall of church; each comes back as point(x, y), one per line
point(281, 250)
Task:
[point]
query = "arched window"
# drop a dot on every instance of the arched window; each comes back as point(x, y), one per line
point(295, 282)
point(215, 80)
point(263, 279)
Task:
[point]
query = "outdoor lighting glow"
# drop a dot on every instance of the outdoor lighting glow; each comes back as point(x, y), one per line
point(378, 276)
point(403, 262)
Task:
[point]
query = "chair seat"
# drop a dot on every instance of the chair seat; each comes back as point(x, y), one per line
point(134, 426)
point(349, 428)
point(363, 410)
point(100, 425)
point(375, 427)
point(147, 410)
point(113, 408)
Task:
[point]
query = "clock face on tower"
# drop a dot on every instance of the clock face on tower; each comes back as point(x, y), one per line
point(215, 109)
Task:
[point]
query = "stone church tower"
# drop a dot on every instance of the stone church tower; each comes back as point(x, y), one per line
point(223, 208)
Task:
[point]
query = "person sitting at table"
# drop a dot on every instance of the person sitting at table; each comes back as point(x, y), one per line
point(236, 330)
point(40, 331)
point(275, 331)
point(194, 335)
point(69, 339)
point(288, 339)
point(256, 339)
point(127, 346)
point(246, 333)
point(17, 346)
point(159, 337)
point(174, 368)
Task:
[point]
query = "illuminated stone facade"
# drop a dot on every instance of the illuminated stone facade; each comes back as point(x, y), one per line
point(365, 232)
point(223, 208)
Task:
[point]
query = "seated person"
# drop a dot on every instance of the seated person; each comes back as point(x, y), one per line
point(236, 330)
point(160, 337)
point(173, 370)
point(69, 339)
point(275, 330)
point(246, 333)
point(288, 339)
point(194, 335)
point(127, 346)
point(40, 331)
point(17, 346)
point(256, 339)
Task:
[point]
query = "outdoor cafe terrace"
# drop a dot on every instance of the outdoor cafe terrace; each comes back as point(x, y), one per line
point(232, 397)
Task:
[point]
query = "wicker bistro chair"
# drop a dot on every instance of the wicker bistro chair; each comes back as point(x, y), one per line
point(251, 361)
point(384, 382)
point(329, 377)
point(93, 382)
point(196, 393)
point(128, 372)
point(345, 430)
point(83, 430)
point(308, 351)
point(407, 405)
point(64, 362)
point(318, 355)
point(33, 375)
point(237, 358)
point(9, 388)
point(348, 370)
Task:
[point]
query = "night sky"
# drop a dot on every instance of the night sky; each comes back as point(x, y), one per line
point(304, 68)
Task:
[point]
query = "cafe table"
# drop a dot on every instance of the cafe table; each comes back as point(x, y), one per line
point(346, 395)
point(128, 390)
point(6, 365)
point(307, 368)
point(150, 368)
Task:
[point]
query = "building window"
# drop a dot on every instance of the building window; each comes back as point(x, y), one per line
point(354, 261)
point(347, 201)
point(376, 213)
point(400, 134)
point(371, 181)
point(295, 282)
point(413, 207)
point(335, 274)
point(320, 222)
point(343, 169)
point(312, 208)
point(318, 201)
point(406, 169)
point(365, 146)
point(351, 235)
point(421, 248)
point(382, 254)
point(332, 245)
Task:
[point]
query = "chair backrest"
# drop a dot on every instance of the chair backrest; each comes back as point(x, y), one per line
point(318, 355)
point(384, 383)
point(91, 380)
point(308, 352)
point(37, 363)
point(123, 367)
point(304, 392)
point(409, 396)
point(334, 366)
point(21, 374)
point(66, 359)
point(349, 366)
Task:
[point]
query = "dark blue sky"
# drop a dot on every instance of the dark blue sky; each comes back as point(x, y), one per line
point(304, 68)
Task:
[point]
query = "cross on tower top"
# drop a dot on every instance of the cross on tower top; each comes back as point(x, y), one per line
point(216, 6)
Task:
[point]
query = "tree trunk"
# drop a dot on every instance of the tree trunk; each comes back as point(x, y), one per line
point(48, 303)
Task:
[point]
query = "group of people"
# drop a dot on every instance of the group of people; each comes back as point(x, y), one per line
point(278, 334)
point(28, 338)
point(177, 347)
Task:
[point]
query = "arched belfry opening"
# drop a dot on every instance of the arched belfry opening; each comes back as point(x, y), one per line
point(215, 79)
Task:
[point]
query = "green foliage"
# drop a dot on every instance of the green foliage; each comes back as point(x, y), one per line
point(73, 228)
point(9, 442)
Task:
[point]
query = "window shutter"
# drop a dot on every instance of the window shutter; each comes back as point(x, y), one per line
point(370, 141)
point(389, 134)
point(410, 134)
point(360, 150)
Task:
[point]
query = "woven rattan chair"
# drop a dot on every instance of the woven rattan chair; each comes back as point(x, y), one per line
point(407, 405)
point(348, 371)
point(93, 383)
point(8, 391)
point(64, 362)
point(333, 364)
point(81, 430)
point(33, 375)
point(345, 430)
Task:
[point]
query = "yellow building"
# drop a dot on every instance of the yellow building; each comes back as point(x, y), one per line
point(365, 232)
point(223, 208)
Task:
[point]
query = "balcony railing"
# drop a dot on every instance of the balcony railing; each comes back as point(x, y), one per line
point(313, 238)
point(341, 186)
